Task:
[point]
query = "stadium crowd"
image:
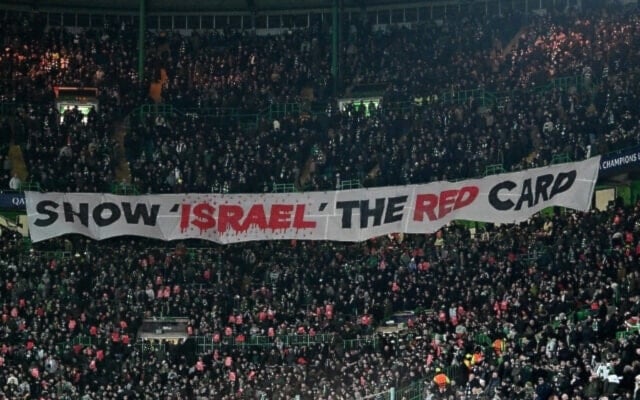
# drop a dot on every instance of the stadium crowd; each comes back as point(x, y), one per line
point(511, 312)
point(550, 296)
point(213, 82)
point(524, 127)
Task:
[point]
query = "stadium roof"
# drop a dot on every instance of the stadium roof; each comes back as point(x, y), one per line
point(192, 5)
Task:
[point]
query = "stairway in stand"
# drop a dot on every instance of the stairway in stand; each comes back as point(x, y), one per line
point(513, 43)
point(18, 165)
point(122, 171)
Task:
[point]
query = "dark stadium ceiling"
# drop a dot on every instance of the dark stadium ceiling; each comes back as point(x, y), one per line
point(192, 5)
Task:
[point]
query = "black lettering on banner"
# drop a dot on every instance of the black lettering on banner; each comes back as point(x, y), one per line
point(348, 207)
point(384, 211)
point(114, 214)
point(394, 209)
point(133, 215)
point(82, 214)
point(542, 187)
point(546, 187)
point(376, 212)
point(495, 201)
point(140, 211)
point(526, 195)
point(563, 182)
point(46, 207)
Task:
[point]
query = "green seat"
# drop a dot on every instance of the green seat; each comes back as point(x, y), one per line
point(581, 315)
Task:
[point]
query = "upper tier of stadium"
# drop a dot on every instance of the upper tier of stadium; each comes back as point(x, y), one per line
point(225, 5)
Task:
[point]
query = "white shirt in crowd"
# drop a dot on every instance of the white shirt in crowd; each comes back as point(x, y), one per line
point(15, 182)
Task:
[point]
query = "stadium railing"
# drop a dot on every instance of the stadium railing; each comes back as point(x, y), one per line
point(206, 344)
point(482, 97)
point(358, 343)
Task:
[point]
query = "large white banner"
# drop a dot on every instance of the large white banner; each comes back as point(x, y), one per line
point(350, 215)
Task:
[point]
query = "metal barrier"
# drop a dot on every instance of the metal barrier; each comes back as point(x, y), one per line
point(358, 343)
point(465, 96)
point(53, 254)
point(30, 186)
point(494, 169)
point(560, 158)
point(414, 391)
point(284, 188)
point(281, 110)
point(145, 348)
point(84, 341)
point(626, 334)
point(157, 109)
point(480, 96)
point(385, 395)
point(126, 189)
point(563, 83)
point(206, 344)
point(349, 184)
point(241, 116)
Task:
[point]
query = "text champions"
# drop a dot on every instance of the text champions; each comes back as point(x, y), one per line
point(350, 215)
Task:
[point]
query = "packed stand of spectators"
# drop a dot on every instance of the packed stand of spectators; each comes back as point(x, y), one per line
point(235, 69)
point(600, 49)
point(391, 144)
point(229, 71)
point(519, 285)
point(239, 71)
point(64, 149)
point(526, 128)
point(68, 154)
point(458, 53)
point(186, 153)
point(249, 73)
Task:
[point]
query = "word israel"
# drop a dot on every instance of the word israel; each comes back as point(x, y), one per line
point(350, 215)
